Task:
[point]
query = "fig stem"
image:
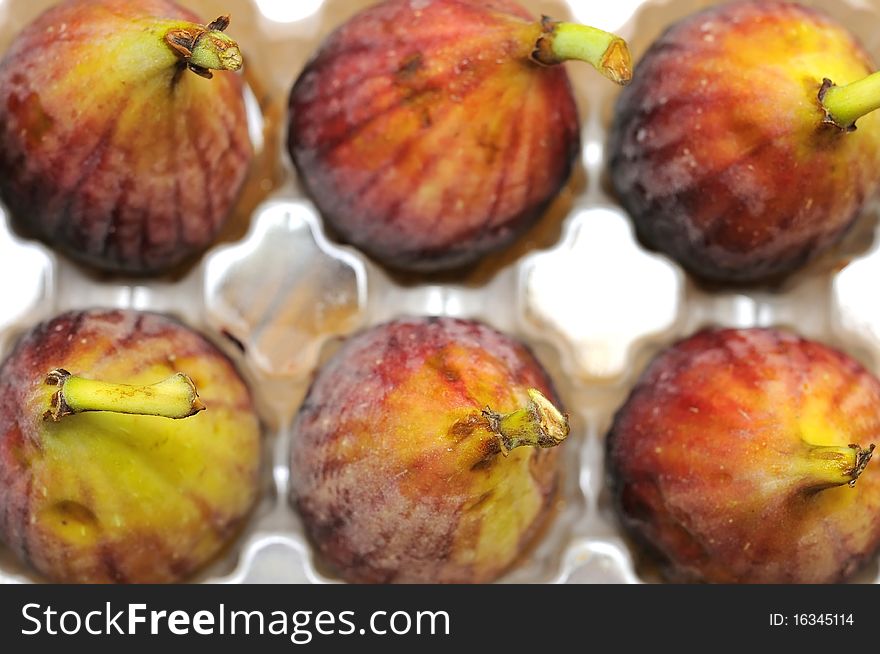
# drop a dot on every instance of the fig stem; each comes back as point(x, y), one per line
point(205, 47)
point(832, 466)
point(844, 105)
point(175, 397)
point(606, 52)
point(538, 424)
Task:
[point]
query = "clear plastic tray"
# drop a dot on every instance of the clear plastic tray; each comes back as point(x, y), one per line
point(278, 295)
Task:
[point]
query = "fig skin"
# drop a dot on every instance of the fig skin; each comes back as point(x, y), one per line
point(718, 148)
point(109, 498)
point(426, 136)
point(393, 469)
point(110, 150)
point(709, 461)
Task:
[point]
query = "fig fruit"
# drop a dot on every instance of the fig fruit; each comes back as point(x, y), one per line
point(735, 149)
point(113, 148)
point(98, 482)
point(431, 133)
point(424, 452)
point(741, 456)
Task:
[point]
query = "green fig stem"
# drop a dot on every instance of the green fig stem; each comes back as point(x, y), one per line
point(831, 466)
point(205, 47)
point(538, 424)
point(175, 397)
point(608, 53)
point(844, 105)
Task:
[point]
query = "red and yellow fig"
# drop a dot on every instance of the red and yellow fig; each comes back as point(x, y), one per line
point(431, 133)
point(425, 452)
point(736, 151)
point(113, 147)
point(743, 456)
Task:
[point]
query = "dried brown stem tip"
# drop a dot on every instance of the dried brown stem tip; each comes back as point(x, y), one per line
point(204, 48)
point(863, 458)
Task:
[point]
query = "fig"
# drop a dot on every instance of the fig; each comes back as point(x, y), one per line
point(425, 452)
point(109, 470)
point(114, 149)
point(432, 133)
point(736, 151)
point(741, 456)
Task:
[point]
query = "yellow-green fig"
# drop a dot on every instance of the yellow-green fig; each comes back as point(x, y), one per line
point(113, 467)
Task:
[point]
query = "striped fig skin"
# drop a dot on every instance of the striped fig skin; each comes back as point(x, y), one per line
point(719, 151)
point(109, 151)
point(427, 137)
point(707, 459)
point(105, 498)
point(393, 469)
